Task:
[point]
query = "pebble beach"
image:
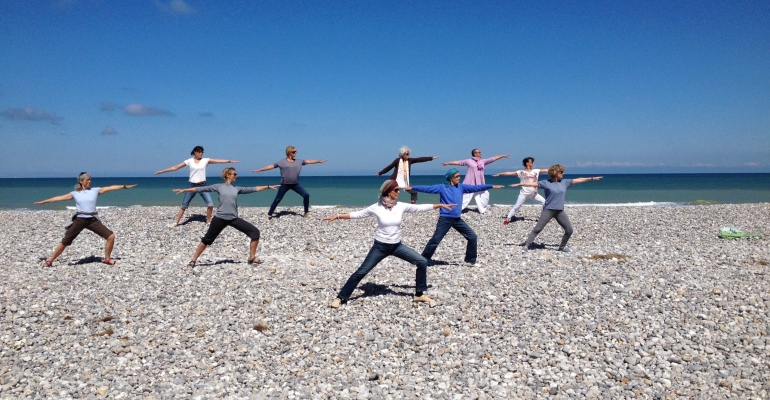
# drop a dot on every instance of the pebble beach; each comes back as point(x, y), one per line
point(650, 303)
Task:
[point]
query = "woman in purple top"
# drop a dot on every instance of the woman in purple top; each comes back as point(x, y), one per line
point(290, 168)
point(555, 190)
point(475, 176)
point(86, 216)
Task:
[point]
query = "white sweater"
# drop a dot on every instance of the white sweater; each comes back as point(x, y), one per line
point(389, 221)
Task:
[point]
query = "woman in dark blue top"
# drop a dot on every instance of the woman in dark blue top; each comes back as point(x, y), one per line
point(555, 190)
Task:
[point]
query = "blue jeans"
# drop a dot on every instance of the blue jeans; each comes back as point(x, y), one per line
point(285, 188)
point(442, 227)
point(376, 254)
point(189, 196)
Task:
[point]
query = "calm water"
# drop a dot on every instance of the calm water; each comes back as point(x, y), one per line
point(360, 191)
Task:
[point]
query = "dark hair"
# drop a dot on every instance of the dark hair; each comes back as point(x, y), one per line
point(526, 160)
point(474, 150)
point(196, 148)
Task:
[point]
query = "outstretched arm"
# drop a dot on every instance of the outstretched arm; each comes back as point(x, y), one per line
point(265, 168)
point(501, 156)
point(544, 171)
point(114, 187)
point(169, 169)
point(338, 216)
point(511, 173)
point(178, 191)
point(498, 186)
point(261, 188)
point(63, 197)
point(581, 180)
point(315, 161)
point(450, 163)
point(530, 184)
point(218, 161)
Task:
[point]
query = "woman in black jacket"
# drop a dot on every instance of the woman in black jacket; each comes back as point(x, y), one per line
point(402, 169)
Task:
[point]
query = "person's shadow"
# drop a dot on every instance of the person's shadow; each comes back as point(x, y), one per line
point(92, 259)
point(375, 289)
point(280, 214)
point(194, 218)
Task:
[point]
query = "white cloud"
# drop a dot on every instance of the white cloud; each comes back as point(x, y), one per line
point(751, 164)
point(109, 131)
point(141, 111)
point(30, 114)
point(176, 7)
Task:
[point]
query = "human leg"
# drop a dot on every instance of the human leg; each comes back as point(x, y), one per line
point(565, 223)
point(305, 196)
point(188, 196)
point(442, 227)
point(413, 195)
point(376, 254)
point(545, 216)
point(56, 253)
point(278, 197)
point(72, 232)
point(467, 200)
point(421, 275)
point(519, 201)
point(96, 226)
point(471, 249)
point(251, 231)
point(482, 201)
point(215, 228)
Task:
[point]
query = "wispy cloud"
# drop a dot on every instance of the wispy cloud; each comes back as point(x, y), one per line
point(109, 131)
point(108, 106)
point(206, 114)
point(143, 111)
point(751, 164)
point(175, 7)
point(30, 114)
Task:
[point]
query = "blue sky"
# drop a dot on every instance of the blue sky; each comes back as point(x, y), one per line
point(125, 88)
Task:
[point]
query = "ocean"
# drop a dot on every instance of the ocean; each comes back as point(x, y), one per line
point(360, 191)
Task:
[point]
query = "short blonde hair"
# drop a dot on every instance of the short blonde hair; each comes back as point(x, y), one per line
point(289, 149)
point(226, 171)
point(555, 169)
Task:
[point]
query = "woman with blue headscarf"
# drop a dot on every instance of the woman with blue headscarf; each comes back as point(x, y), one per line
point(451, 192)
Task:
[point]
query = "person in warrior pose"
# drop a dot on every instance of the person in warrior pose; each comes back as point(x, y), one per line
point(290, 168)
point(387, 241)
point(227, 214)
point(197, 165)
point(475, 176)
point(555, 190)
point(525, 175)
point(402, 169)
point(451, 192)
point(86, 216)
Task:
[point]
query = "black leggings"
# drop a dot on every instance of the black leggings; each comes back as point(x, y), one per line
point(218, 224)
point(545, 217)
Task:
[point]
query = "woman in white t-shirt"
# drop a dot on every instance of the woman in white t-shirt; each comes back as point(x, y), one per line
point(526, 175)
point(197, 165)
point(387, 241)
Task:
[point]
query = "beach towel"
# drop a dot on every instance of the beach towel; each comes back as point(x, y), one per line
point(732, 233)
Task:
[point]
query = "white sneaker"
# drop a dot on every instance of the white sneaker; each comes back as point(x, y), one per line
point(470, 264)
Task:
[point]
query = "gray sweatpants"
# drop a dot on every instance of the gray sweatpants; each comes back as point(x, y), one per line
point(545, 217)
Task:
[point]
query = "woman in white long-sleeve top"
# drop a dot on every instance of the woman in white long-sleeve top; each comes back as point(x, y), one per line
point(387, 241)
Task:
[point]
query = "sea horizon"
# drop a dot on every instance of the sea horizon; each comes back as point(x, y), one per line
point(660, 189)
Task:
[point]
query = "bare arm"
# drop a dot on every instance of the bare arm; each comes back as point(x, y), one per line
point(498, 186)
point(530, 184)
point(218, 161)
point(544, 171)
point(63, 197)
point(178, 191)
point(169, 169)
point(315, 161)
point(114, 187)
point(501, 156)
point(450, 163)
point(261, 188)
point(265, 168)
point(581, 180)
point(512, 173)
